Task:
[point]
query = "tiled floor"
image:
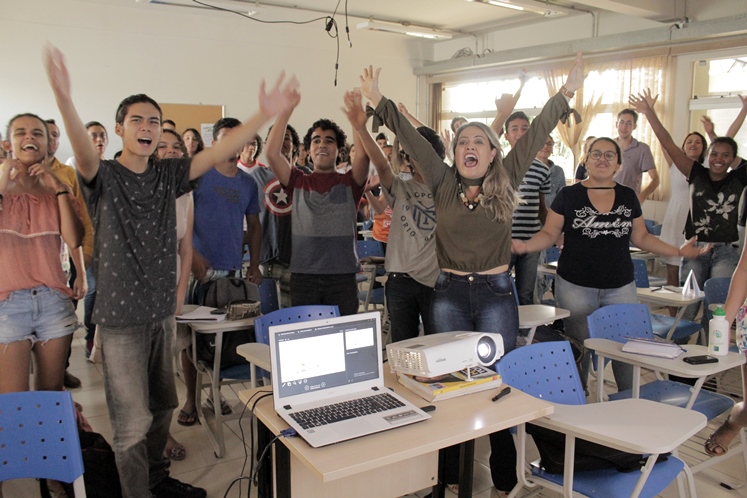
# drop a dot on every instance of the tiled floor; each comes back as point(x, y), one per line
point(203, 469)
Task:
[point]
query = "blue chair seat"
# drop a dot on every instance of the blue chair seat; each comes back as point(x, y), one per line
point(662, 323)
point(613, 484)
point(236, 372)
point(377, 296)
point(673, 393)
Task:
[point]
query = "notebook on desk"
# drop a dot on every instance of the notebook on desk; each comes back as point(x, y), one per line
point(328, 380)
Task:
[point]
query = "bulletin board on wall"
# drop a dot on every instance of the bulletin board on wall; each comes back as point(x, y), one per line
point(197, 116)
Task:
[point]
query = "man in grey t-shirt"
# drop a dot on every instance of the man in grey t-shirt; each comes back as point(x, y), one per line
point(132, 201)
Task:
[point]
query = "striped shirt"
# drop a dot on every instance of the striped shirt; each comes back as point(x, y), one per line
point(526, 215)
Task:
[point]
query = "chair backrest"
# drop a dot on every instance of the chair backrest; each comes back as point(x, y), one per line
point(716, 289)
point(640, 273)
point(650, 224)
point(656, 229)
point(368, 248)
point(545, 370)
point(293, 314)
point(39, 436)
point(268, 296)
point(620, 321)
point(552, 254)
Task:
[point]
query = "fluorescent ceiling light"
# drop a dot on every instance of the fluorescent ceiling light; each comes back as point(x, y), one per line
point(538, 7)
point(236, 6)
point(409, 29)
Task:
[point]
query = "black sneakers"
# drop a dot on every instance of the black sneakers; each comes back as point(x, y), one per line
point(171, 488)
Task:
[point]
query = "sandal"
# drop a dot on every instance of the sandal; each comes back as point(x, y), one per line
point(187, 419)
point(225, 408)
point(176, 452)
point(712, 445)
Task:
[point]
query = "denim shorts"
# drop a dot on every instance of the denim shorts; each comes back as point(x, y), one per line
point(37, 314)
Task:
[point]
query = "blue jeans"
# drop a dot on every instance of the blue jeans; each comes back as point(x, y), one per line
point(331, 289)
point(88, 303)
point(721, 261)
point(141, 396)
point(581, 302)
point(480, 303)
point(407, 301)
point(525, 271)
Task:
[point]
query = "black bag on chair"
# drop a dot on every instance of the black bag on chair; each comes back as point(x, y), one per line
point(220, 293)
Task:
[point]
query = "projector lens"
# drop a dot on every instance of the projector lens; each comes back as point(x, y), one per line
point(486, 349)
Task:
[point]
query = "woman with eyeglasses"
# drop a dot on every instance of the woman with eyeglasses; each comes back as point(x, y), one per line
point(599, 218)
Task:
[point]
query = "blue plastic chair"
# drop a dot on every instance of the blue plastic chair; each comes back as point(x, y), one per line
point(618, 322)
point(548, 371)
point(552, 254)
point(39, 438)
point(293, 314)
point(661, 324)
point(268, 296)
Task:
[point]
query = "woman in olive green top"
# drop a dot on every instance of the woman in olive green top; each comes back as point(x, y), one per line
point(474, 203)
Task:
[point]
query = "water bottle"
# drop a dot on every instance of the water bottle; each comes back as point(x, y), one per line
point(719, 333)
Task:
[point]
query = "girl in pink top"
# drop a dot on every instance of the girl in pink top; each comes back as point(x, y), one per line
point(36, 313)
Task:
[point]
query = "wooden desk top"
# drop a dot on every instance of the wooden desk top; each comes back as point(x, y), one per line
point(454, 421)
point(613, 350)
point(533, 315)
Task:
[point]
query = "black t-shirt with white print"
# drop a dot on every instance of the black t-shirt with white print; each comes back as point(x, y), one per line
point(714, 205)
point(596, 250)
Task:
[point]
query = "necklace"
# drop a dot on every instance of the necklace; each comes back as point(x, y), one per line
point(471, 205)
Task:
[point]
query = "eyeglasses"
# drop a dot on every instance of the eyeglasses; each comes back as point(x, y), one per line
point(597, 154)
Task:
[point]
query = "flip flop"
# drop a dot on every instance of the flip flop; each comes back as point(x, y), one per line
point(715, 448)
point(177, 452)
point(225, 408)
point(187, 419)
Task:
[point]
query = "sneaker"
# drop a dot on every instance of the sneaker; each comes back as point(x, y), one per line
point(71, 381)
point(171, 488)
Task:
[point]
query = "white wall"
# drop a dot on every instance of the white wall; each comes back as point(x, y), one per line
point(116, 48)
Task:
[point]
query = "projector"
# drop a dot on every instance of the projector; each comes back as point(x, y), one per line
point(440, 354)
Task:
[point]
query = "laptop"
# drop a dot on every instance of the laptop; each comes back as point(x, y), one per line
point(328, 380)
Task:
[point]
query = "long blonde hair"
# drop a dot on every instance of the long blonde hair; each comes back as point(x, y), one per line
point(499, 196)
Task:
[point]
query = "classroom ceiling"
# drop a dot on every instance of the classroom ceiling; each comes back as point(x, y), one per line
point(459, 16)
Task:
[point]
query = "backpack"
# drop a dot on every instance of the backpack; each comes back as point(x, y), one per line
point(99, 469)
point(218, 295)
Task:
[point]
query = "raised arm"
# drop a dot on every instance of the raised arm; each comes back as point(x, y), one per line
point(412, 119)
point(709, 128)
point(426, 159)
point(644, 103)
point(86, 157)
point(505, 105)
point(737, 124)
point(271, 103)
point(357, 117)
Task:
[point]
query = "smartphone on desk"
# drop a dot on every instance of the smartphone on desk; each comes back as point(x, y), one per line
point(700, 360)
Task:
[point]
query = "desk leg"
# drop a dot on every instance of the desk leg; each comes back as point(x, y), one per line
point(600, 378)
point(438, 489)
point(466, 468)
point(677, 318)
point(283, 468)
point(264, 436)
point(530, 335)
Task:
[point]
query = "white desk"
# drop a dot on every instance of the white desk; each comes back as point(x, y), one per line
point(532, 316)
point(399, 461)
point(613, 424)
point(606, 348)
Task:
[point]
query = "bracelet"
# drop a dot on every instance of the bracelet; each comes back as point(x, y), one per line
point(61, 192)
point(567, 92)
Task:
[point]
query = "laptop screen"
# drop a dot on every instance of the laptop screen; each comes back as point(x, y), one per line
point(321, 355)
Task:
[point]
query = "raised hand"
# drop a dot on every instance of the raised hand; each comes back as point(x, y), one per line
point(354, 110)
point(744, 100)
point(280, 98)
point(643, 102)
point(576, 76)
point(447, 136)
point(401, 107)
point(370, 84)
point(708, 125)
point(59, 79)
point(46, 177)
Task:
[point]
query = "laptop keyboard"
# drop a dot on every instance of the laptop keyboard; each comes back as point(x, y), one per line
point(346, 410)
